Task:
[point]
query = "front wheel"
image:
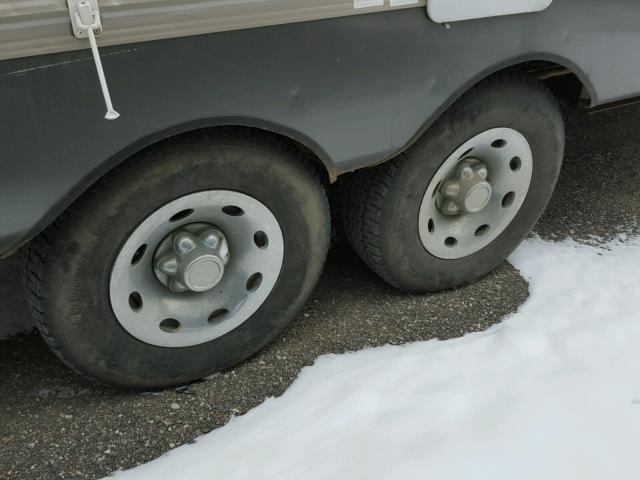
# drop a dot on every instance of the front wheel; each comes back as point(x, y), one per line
point(182, 262)
point(458, 202)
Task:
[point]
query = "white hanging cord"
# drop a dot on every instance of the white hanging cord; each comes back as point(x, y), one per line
point(86, 19)
point(111, 113)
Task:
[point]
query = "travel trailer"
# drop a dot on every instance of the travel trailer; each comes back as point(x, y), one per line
point(165, 164)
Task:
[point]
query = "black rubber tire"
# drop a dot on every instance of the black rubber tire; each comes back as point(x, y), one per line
point(380, 205)
point(67, 268)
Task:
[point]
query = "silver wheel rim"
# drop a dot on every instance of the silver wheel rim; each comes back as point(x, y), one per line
point(476, 193)
point(196, 268)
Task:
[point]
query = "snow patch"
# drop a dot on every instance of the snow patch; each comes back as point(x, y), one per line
point(552, 392)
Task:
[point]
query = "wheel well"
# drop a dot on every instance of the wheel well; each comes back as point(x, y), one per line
point(565, 84)
point(323, 171)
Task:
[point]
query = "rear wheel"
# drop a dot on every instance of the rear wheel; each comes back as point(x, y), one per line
point(182, 262)
point(458, 202)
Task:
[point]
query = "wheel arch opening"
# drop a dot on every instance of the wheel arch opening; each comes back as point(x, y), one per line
point(567, 83)
point(309, 151)
point(312, 154)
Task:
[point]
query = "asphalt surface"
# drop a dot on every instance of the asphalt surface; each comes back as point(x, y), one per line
point(54, 424)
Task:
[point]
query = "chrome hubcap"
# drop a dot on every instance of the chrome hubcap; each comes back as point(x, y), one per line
point(476, 193)
point(196, 268)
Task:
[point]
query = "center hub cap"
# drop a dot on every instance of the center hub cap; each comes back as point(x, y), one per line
point(478, 197)
point(468, 191)
point(192, 258)
point(204, 273)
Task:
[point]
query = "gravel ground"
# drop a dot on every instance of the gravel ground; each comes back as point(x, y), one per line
point(54, 424)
